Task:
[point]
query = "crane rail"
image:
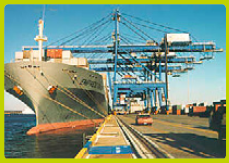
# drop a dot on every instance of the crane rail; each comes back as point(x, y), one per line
point(142, 146)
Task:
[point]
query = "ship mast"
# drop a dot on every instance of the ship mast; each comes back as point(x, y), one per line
point(40, 38)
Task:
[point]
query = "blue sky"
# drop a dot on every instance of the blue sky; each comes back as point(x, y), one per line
point(206, 22)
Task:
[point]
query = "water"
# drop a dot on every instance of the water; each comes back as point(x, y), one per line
point(56, 144)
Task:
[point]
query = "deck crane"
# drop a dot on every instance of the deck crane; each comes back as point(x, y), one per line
point(150, 61)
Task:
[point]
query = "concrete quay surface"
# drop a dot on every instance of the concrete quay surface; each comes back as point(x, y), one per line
point(181, 136)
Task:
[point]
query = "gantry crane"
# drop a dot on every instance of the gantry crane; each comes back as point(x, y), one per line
point(146, 64)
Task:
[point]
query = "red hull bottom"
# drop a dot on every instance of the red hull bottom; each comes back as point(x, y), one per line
point(64, 126)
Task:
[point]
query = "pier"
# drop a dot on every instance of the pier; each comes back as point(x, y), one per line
point(108, 142)
point(170, 136)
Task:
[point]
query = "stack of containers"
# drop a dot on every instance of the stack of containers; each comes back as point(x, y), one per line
point(208, 111)
point(73, 61)
point(66, 57)
point(202, 104)
point(178, 39)
point(26, 55)
point(82, 62)
point(79, 62)
point(222, 111)
point(219, 104)
point(197, 110)
point(216, 105)
point(54, 55)
point(136, 108)
point(218, 118)
point(188, 106)
point(186, 109)
point(223, 104)
point(176, 109)
point(183, 109)
point(163, 110)
point(18, 56)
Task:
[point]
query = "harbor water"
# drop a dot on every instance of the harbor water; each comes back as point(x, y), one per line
point(56, 144)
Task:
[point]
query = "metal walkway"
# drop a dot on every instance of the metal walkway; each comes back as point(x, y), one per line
point(108, 142)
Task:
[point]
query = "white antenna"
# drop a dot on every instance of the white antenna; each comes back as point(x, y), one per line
point(43, 14)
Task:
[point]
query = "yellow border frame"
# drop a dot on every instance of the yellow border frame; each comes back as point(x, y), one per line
point(4, 3)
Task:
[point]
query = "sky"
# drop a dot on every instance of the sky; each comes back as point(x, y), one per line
point(206, 83)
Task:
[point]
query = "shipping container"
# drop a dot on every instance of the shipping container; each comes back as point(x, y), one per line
point(163, 110)
point(175, 108)
point(178, 39)
point(189, 105)
point(55, 60)
point(26, 54)
point(203, 104)
point(54, 53)
point(82, 62)
point(218, 119)
point(217, 105)
point(37, 59)
point(186, 110)
point(18, 55)
point(178, 112)
point(136, 108)
point(208, 111)
point(197, 110)
point(79, 62)
point(73, 61)
point(136, 105)
point(66, 61)
point(66, 54)
point(223, 101)
point(183, 107)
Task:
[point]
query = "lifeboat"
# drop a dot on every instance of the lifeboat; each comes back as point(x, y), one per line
point(18, 90)
point(52, 89)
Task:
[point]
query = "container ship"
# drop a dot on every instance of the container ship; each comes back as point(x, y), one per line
point(58, 87)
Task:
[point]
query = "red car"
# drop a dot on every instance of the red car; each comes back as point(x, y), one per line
point(143, 119)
